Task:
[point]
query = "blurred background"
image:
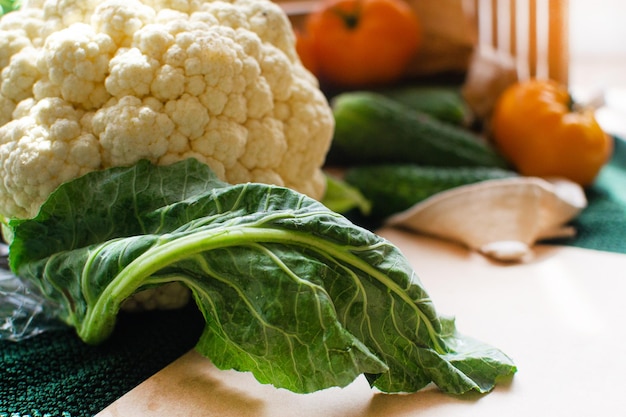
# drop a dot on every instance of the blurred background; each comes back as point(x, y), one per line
point(594, 29)
point(597, 31)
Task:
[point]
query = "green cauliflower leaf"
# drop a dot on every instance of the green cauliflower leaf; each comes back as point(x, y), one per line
point(290, 290)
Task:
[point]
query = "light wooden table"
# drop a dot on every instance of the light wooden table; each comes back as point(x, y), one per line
point(560, 317)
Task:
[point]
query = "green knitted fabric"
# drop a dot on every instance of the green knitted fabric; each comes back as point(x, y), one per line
point(56, 375)
point(602, 225)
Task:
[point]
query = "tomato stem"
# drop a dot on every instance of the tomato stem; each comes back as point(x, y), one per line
point(571, 103)
point(350, 18)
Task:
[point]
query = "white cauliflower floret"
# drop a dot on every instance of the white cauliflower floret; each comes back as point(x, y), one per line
point(76, 60)
point(87, 85)
point(121, 19)
point(130, 129)
point(29, 23)
point(59, 14)
point(11, 42)
point(48, 141)
point(19, 76)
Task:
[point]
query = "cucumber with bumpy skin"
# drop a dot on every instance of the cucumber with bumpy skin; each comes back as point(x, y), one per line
point(395, 188)
point(372, 128)
point(443, 103)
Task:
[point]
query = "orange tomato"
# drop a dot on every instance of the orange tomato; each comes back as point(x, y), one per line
point(304, 48)
point(361, 42)
point(538, 129)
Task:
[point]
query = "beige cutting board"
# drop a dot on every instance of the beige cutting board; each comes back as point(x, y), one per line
point(561, 317)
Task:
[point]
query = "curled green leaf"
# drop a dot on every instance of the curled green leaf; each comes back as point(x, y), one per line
point(290, 290)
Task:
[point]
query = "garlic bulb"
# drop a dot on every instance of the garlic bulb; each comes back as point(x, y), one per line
point(500, 218)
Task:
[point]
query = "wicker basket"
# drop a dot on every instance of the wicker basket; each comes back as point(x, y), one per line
point(534, 31)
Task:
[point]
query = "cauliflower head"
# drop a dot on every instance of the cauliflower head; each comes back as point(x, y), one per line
point(86, 85)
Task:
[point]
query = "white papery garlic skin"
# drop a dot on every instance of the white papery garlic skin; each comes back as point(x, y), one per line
point(502, 219)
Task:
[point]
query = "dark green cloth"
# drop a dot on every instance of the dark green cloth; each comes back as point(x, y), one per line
point(55, 374)
point(602, 225)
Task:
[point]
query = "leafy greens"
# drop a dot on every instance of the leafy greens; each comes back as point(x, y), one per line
point(7, 6)
point(290, 290)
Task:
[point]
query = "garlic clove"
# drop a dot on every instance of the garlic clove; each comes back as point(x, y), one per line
point(489, 216)
point(506, 250)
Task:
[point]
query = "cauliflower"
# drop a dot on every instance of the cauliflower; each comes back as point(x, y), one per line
point(87, 85)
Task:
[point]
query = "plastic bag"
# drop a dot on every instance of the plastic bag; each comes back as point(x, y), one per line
point(24, 312)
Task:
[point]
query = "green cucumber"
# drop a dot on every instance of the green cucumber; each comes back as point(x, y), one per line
point(341, 197)
point(372, 128)
point(395, 188)
point(443, 103)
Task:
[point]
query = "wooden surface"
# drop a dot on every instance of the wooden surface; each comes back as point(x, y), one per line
point(559, 316)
